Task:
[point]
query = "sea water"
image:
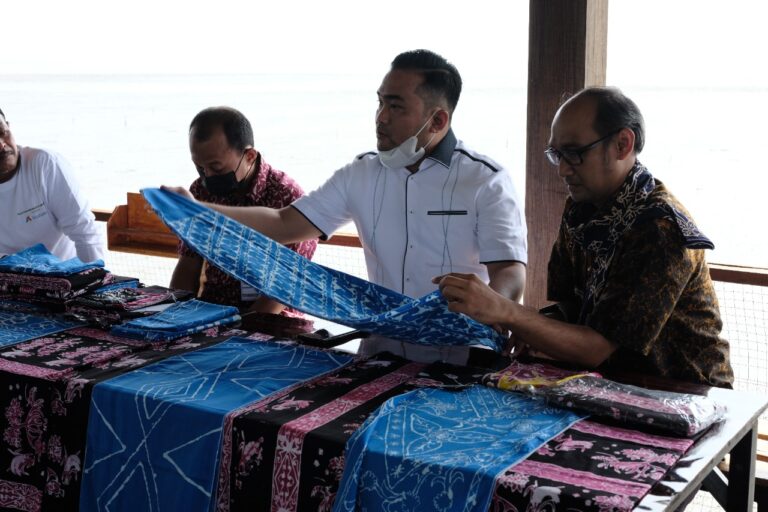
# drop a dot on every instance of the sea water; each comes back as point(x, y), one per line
point(125, 132)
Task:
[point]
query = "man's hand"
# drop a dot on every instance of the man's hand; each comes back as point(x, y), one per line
point(179, 190)
point(468, 294)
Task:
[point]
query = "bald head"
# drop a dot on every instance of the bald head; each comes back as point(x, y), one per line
point(575, 120)
point(612, 110)
point(592, 161)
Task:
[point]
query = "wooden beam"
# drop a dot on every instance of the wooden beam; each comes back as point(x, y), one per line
point(101, 214)
point(739, 275)
point(566, 52)
point(344, 240)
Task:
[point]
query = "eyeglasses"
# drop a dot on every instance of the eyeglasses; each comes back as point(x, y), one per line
point(574, 156)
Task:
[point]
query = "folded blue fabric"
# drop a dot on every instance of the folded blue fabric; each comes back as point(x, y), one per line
point(180, 319)
point(432, 449)
point(38, 260)
point(293, 280)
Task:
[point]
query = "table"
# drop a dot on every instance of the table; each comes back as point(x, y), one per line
point(736, 435)
point(38, 378)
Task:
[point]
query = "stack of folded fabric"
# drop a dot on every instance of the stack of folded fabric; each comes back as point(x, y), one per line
point(36, 275)
point(178, 320)
point(113, 306)
point(680, 414)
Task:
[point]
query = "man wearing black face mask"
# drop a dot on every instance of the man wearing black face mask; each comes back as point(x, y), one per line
point(232, 173)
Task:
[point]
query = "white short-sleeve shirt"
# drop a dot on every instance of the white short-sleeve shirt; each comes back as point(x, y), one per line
point(458, 212)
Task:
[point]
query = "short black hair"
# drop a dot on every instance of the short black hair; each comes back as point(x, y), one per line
point(441, 78)
point(236, 127)
point(614, 111)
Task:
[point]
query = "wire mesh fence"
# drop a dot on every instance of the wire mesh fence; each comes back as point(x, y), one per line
point(744, 309)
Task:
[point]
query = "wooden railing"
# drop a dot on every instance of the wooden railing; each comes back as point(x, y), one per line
point(738, 274)
point(134, 227)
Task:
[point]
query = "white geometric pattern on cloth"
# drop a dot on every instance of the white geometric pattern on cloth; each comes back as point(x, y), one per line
point(295, 281)
point(433, 449)
point(18, 326)
point(154, 434)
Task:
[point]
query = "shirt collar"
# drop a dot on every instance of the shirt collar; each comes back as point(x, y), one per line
point(259, 181)
point(443, 152)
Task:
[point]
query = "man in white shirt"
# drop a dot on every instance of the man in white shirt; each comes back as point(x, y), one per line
point(424, 204)
point(40, 202)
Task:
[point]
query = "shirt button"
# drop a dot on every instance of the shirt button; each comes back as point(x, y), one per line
point(411, 211)
point(411, 246)
point(407, 278)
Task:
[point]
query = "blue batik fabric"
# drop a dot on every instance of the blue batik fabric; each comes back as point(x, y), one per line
point(18, 326)
point(433, 449)
point(38, 260)
point(154, 434)
point(293, 280)
point(118, 283)
point(179, 319)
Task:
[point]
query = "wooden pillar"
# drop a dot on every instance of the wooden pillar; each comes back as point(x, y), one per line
point(566, 52)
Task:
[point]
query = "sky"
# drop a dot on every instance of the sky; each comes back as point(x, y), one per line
point(681, 46)
point(685, 41)
point(233, 36)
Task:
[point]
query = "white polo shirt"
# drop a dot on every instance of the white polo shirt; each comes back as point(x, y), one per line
point(456, 213)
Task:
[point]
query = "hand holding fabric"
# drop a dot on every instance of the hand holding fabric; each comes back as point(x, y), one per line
point(468, 294)
point(183, 192)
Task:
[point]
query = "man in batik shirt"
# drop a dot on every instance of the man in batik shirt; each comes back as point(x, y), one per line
point(627, 273)
point(233, 173)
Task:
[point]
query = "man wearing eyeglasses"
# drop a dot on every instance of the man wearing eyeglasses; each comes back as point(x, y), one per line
point(627, 272)
point(233, 173)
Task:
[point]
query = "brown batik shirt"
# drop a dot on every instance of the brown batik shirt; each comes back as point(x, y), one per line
point(657, 303)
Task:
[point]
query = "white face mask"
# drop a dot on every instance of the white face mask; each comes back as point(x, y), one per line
point(406, 153)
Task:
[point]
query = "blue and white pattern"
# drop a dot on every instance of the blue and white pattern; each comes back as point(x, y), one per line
point(118, 284)
point(159, 428)
point(432, 449)
point(179, 319)
point(38, 260)
point(326, 293)
point(18, 326)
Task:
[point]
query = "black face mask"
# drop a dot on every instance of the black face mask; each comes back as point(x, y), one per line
point(221, 184)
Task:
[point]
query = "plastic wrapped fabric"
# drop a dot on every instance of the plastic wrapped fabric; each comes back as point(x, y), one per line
point(681, 414)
